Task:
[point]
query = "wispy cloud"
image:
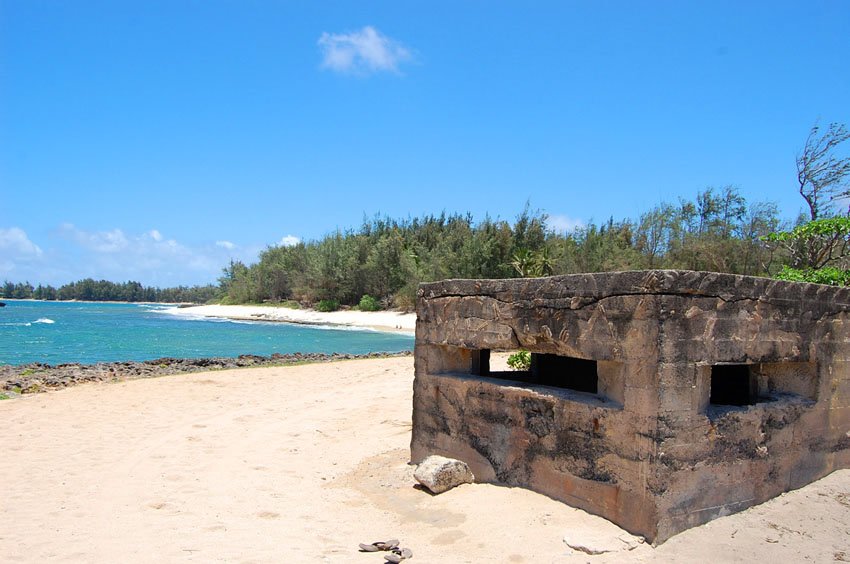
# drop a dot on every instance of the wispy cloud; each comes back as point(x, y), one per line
point(289, 241)
point(149, 257)
point(562, 223)
point(362, 52)
point(99, 241)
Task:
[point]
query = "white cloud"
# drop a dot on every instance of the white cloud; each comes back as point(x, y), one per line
point(562, 223)
point(14, 242)
point(155, 235)
point(289, 241)
point(225, 245)
point(362, 52)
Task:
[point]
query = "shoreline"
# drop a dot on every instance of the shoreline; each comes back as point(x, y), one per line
point(36, 377)
point(383, 321)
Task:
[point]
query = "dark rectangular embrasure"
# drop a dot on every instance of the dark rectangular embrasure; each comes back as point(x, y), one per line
point(733, 384)
point(564, 372)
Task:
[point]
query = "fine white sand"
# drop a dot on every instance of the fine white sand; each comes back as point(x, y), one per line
point(302, 463)
point(391, 321)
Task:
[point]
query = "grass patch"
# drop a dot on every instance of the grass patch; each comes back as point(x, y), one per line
point(288, 304)
point(34, 388)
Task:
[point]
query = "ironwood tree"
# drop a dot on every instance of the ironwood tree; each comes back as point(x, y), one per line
point(823, 176)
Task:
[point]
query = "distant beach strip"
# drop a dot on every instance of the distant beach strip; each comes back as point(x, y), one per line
point(386, 321)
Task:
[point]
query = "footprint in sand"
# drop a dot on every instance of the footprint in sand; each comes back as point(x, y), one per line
point(268, 515)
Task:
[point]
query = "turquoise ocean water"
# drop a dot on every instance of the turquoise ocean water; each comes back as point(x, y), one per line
point(57, 332)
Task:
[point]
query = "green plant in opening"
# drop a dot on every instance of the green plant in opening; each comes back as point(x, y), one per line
point(368, 303)
point(520, 360)
point(327, 305)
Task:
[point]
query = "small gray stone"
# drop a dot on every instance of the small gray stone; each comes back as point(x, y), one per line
point(439, 474)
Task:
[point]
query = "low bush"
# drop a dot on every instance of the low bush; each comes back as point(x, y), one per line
point(327, 305)
point(368, 303)
point(405, 299)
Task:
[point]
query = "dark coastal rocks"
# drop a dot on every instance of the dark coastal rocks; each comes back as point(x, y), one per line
point(39, 377)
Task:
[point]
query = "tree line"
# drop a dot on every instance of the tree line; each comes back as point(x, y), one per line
point(387, 258)
point(719, 230)
point(104, 290)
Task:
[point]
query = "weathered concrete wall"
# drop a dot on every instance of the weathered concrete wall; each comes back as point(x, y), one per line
point(648, 452)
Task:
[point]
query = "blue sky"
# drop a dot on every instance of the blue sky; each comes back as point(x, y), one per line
point(156, 140)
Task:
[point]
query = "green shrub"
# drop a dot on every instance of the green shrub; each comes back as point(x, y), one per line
point(327, 305)
point(520, 360)
point(368, 303)
point(826, 275)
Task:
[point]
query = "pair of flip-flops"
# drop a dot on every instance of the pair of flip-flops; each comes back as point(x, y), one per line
point(395, 555)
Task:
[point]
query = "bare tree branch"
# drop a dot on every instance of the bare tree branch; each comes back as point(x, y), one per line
point(823, 178)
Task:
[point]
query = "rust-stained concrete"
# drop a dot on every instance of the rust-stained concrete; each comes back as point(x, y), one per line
point(647, 450)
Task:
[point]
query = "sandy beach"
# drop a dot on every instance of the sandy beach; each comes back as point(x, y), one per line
point(391, 321)
point(302, 463)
